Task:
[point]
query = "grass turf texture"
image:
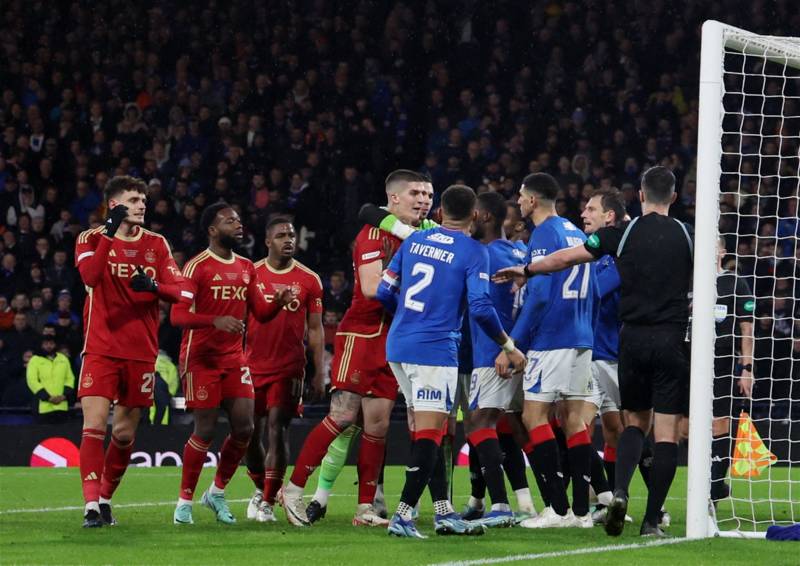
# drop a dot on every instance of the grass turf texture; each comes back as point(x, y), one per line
point(30, 534)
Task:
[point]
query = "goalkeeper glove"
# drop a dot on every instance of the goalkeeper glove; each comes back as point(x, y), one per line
point(115, 217)
point(143, 283)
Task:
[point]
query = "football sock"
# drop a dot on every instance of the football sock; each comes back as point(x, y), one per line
point(513, 461)
point(561, 440)
point(598, 474)
point(334, 461)
point(610, 464)
point(477, 483)
point(437, 483)
point(424, 454)
point(491, 458)
point(118, 456)
point(194, 456)
point(448, 442)
point(314, 449)
point(646, 461)
point(629, 452)
point(542, 451)
point(665, 462)
point(524, 500)
point(370, 461)
point(273, 479)
point(720, 458)
point(579, 452)
point(91, 462)
point(233, 450)
point(257, 478)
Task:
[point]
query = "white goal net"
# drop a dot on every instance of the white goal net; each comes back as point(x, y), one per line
point(748, 311)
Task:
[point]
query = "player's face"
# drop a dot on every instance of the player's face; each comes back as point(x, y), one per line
point(593, 216)
point(281, 240)
point(427, 188)
point(228, 228)
point(525, 203)
point(411, 202)
point(510, 223)
point(135, 201)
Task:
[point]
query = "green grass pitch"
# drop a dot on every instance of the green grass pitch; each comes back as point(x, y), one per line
point(40, 518)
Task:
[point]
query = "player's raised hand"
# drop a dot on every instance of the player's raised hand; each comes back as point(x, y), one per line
point(229, 324)
point(515, 274)
point(115, 217)
point(143, 283)
point(285, 296)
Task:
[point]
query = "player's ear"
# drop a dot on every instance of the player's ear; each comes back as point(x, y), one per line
point(673, 198)
point(641, 195)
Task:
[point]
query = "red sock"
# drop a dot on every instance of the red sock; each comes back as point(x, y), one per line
point(194, 456)
point(273, 480)
point(314, 449)
point(370, 460)
point(609, 453)
point(118, 456)
point(233, 450)
point(91, 454)
point(258, 479)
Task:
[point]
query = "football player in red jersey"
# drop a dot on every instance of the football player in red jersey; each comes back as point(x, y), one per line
point(126, 270)
point(212, 363)
point(361, 379)
point(276, 356)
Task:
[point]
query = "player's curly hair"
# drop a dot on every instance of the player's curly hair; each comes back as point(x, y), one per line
point(210, 214)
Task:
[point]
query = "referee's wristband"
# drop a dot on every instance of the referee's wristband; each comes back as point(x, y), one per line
point(509, 346)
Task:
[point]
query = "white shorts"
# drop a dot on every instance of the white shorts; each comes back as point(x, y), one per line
point(426, 388)
point(554, 375)
point(461, 400)
point(487, 390)
point(605, 386)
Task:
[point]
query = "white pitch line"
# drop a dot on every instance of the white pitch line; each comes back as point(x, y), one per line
point(560, 553)
point(134, 505)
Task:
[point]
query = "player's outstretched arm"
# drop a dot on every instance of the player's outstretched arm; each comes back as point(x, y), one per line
point(182, 315)
point(557, 261)
point(265, 311)
point(381, 218)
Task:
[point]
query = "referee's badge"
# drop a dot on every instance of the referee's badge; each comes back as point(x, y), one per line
point(720, 312)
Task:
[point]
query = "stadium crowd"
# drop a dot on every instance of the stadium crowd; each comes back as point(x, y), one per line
point(301, 108)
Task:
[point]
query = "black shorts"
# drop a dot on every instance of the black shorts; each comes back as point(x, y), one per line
point(654, 369)
point(726, 391)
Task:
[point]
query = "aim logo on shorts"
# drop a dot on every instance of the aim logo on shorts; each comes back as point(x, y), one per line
point(428, 393)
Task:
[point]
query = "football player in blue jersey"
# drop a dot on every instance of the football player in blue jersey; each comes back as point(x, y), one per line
point(433, 278)
point(555, 327)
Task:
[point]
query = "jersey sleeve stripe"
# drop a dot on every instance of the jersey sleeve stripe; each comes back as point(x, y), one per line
point(191, 266)
point(187, 294)
point(309, 271)
point(84, 255)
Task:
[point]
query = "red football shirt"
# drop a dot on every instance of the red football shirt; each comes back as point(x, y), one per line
point(366, 317)
point(275, 349)
point(118, 321)
point(221, 288)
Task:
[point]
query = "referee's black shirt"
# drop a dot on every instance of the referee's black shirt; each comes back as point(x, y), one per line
point(735, 304)
point(654, 260)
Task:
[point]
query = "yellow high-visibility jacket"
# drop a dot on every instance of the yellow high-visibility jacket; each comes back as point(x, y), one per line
point(52, 375)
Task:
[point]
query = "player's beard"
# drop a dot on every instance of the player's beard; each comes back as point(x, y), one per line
point(229, 242)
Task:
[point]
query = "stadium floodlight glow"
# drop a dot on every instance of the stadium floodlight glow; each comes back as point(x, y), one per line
point(747, 155)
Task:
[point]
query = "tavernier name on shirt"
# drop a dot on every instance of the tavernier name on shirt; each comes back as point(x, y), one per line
point(432, 252)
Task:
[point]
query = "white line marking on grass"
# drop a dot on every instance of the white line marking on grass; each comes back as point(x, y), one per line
point(131, 505)
point(560, 553)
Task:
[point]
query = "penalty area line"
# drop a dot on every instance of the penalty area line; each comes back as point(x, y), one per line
point(561, 553)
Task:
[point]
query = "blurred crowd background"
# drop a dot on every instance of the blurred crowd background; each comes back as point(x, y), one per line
point(303, 107)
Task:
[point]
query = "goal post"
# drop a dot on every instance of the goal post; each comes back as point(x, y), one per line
point(731, 57)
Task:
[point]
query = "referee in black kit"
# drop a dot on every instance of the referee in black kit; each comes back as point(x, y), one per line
point(654, 258)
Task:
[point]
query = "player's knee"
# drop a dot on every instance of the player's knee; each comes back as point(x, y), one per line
point(242, 430)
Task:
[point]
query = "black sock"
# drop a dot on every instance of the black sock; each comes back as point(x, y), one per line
point(599, 481)
point(563, 461)
point(611, 473)
point(665, 462)
point(418, 473)
point(720, 459)
point(476, 480)
point(629, 451)
point(513, 462)
point(437, 483)
point(646, 462)
point(545, 462)
point(491, 458)
point(580, 462)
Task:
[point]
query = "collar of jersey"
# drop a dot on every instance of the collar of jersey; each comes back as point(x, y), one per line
point(221, 259)
point(139, 232)
point(279, 271)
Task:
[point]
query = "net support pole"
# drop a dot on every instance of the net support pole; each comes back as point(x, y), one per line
point(709, 153)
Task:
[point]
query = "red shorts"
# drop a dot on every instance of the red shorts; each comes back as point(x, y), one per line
point(128, 382)
point(359, 366)
point(284, 393)
point(205, 388)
